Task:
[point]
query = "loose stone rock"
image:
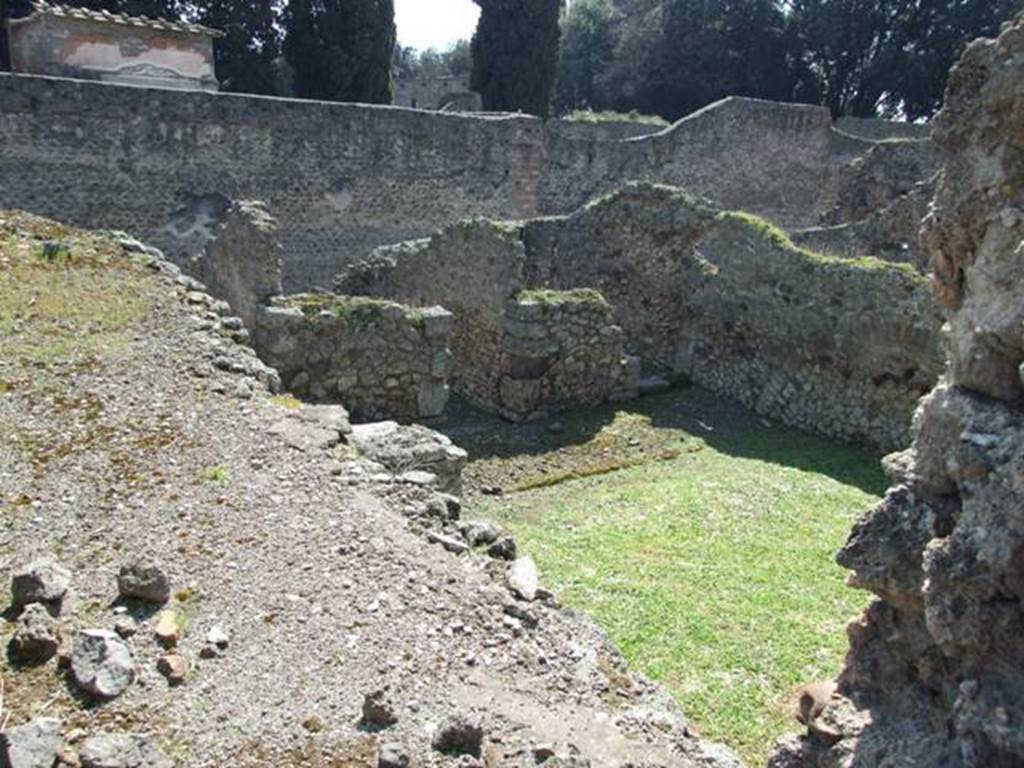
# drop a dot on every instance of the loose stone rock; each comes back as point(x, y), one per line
point(173, 666)
point(122, 751)
point(503, 549)
point(144, 580)
point(378, 710)
point(459, 735)
point(125, 627)
point(452, 545)
point(166, 628)
point(41, 581)
point(37, 636)
point(392, 756)
point(523, 579)
point(32, 745)
point(479, 532)
point(101, 664)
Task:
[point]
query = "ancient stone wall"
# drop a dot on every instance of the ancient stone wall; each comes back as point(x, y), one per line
point(562, 349)
point(472, 269)
point(242, 264)
point(781, 161)
point(343, 178)
point(840, 347)
point(843, 348)
point(934, 673)
point(628, 246)
point(378, 358)
point(518, 353)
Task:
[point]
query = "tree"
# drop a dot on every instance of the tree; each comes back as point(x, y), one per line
point(586, 54)
point(887, 56)
point(515, 54)
point(245, 57)
point(341, 50)
point(681, 55)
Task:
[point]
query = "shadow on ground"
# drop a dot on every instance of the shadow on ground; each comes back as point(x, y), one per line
point(512, 457)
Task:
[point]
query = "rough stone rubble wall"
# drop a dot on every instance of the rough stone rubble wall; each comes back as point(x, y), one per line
point(517, 356)
point(841, 347)
point(344, 179)
point(562, 350)
point(379, 359)
point(844, 348)
point(935, 673)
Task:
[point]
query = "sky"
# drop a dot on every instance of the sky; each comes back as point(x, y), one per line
point(437, 23)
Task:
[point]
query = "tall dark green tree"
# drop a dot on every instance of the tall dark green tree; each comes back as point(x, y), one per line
point(341, 50)
point(867, 57)
point(245, 57)
point(586, 54)
point(515, 54)
point(710, 49)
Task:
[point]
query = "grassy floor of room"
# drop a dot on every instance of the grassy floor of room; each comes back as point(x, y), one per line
point(710, 566)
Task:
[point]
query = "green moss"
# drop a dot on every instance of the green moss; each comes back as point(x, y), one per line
point(549, 296)
point(215, 475)
point(588, 116)
point(765, 229)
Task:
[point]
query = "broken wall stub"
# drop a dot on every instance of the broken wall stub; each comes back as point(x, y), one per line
point(378, 358)
point(934, 673)
point(519, 353)
point(562, 349)
point(242, 263)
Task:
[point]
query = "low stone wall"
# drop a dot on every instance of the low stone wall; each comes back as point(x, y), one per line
point(379, 358)
point(518, 353)
point(840, 347)
point(562, 349)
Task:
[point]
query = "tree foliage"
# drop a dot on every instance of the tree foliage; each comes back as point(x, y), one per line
point(515, 54)
point(341, 50)
point(452, 62)
point(246, 57)
point(857, 57)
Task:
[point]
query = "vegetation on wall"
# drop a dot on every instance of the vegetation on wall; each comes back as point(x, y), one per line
point(515, 55)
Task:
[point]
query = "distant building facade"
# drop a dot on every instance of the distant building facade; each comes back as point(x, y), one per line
point(443, 94)
point(63, 41)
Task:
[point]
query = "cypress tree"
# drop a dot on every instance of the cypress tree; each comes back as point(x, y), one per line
point(515, 54)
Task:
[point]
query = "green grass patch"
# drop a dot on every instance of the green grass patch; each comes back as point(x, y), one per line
point(66, 302)
point(288, 402)
point(713, 571)
point(215, 476)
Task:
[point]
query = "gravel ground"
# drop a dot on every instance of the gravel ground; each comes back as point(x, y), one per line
point(155, 439)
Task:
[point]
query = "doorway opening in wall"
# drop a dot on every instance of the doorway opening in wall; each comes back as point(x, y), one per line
point(699, 535)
